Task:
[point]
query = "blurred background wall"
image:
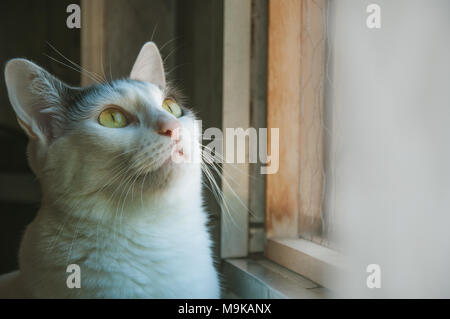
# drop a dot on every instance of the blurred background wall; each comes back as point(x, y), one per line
point(388, 105)
point(25, 29)
point(189, 34)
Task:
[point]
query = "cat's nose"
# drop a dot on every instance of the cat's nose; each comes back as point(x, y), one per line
point(168, 127)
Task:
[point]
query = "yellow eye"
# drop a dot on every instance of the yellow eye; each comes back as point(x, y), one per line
point(172, 107)
point(112, 118)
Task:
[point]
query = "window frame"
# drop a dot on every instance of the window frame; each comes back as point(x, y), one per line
point(284, 92)
point(288, 95)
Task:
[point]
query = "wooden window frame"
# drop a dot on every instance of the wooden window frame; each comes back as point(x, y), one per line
point(235, 114)
point(285, 92)
point(293, 33)
point(244, 106)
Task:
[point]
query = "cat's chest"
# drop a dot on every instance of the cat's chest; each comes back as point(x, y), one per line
point(135, 263)
point(131, 270)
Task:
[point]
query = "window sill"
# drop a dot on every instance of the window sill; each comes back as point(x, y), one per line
point(260, 278)
point(316, 262)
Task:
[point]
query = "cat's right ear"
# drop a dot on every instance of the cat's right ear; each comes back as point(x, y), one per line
point(149, 66)
point(35, 96)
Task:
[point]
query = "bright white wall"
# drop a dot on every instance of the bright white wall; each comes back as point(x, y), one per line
point(388, 100)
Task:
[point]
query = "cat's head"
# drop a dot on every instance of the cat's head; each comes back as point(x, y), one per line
point(128, 135)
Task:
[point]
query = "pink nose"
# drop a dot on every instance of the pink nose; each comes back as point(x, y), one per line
point(168, 127)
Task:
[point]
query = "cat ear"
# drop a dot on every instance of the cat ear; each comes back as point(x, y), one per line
point(35, 96)
point(149, 66)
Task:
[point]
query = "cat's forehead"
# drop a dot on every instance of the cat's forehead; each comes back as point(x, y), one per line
point(129, 94)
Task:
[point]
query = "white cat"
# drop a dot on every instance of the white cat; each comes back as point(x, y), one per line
point(114, 200)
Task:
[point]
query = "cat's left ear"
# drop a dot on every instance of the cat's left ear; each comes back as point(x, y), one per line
point(36, 97)
point(149, 66)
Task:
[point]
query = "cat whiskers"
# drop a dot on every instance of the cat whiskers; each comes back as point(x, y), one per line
point(125, 184)
point(210, 162)
point(217, 192)
point(68, 192)
point(123, 168)
point(142, 168)
point(76, 67)
point(130, 184)
point(75, 236)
